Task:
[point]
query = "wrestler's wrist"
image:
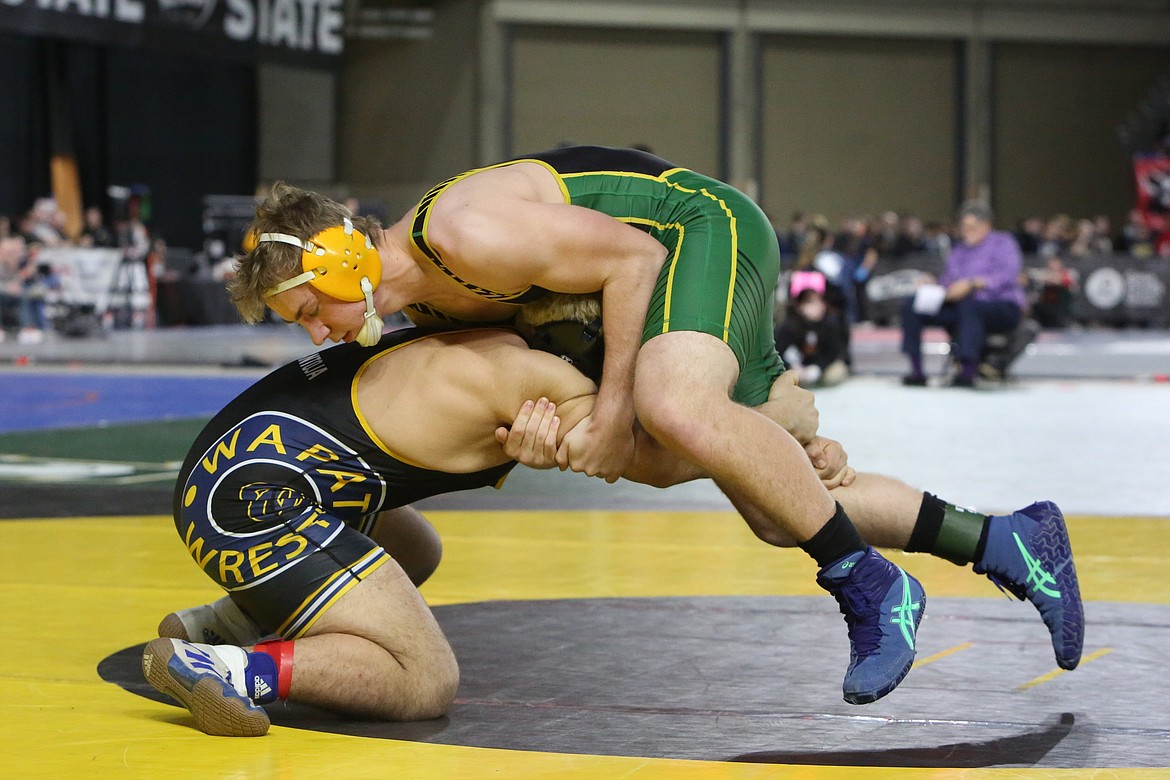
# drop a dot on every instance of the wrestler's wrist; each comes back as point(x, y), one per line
point(613, 421)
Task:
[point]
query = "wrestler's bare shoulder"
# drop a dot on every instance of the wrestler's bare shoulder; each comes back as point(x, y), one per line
point(526, 181)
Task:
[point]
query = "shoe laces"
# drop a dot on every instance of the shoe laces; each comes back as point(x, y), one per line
point(861, 615)
point(1009, 589)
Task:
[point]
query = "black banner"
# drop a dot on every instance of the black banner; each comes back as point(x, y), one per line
point(300, 32)
point(1117, 290)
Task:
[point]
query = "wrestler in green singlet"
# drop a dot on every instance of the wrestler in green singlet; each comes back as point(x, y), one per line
point(720, 273)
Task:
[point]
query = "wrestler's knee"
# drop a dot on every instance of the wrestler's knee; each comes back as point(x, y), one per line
point(437, 680)
point(396, 653)
point(403, 687)
point(675, 420)
point(415, 683)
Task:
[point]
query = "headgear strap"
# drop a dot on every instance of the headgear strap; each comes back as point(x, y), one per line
point(339, 261)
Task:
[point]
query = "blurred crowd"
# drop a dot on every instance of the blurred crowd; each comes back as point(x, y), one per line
point(829, 267)
point(29, 284)
point(862, 239)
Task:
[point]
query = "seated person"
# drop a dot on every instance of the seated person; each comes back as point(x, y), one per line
point(294, 500)
point(981, 294)
point(22, 290)
point(812, 341)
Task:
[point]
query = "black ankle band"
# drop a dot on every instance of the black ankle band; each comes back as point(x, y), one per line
point(926, 528)
point(836, 539)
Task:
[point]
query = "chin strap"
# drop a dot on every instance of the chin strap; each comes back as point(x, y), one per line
point(371, 331)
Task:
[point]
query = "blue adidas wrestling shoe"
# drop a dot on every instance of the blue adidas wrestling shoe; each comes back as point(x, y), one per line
point(1028, 555)
point(204, 682)
point(883, 606)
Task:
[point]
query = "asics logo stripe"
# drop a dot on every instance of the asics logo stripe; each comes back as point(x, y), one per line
point(903, 614)
point(1038, 578)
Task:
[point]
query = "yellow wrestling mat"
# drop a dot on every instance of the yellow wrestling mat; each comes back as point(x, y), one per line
point(78, 590)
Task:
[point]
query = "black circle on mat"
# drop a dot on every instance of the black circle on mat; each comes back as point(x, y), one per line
point(757, 679)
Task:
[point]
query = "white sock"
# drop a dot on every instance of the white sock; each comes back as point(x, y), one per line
point(223, 619)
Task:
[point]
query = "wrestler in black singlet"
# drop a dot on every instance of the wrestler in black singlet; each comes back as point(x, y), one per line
point(278, 491)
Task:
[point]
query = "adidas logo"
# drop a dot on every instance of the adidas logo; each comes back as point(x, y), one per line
point(147, 660)
point(260, 689)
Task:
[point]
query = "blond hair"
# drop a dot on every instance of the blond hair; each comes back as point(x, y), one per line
point(294, 211)
point(560, 307)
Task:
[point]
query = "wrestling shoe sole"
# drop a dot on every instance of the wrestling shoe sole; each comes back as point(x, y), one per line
point(217, 712)
point(171, 626)
point(1051, 541)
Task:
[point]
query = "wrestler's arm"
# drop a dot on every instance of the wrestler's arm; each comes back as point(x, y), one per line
point(439, 403)
point(532, 434)
point(524, 377)
point(509, 243)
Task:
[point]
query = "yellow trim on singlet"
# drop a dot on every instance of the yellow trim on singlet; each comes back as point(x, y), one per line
point(673, 260)
point(664, 178)
point(556, 174)
point(632, 174)
point(734, 260)
point(356, 572)
point(427, 205)
point(361, 418)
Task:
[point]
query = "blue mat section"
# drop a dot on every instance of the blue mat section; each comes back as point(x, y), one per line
point(32, 401)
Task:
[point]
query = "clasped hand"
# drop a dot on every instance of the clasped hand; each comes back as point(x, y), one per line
point(532, 441)
point(830, 461)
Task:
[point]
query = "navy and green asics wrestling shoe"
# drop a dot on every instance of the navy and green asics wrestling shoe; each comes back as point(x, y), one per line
point(1028, 555)
point(882, 605)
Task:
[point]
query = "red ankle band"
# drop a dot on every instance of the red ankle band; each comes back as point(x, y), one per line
point(282, 653)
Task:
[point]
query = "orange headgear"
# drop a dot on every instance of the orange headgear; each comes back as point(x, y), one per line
point(342, 262)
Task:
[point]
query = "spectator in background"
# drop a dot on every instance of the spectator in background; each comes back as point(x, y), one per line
point(21, 291)
point(981, 294)
point(911, 239)
point(1030, 234)
point(886, 232)
point(818, 255)
point(811, 339)
point(45, 223)
point(12, 306)
point(1053, 305)
point(822, 268)
point(95, 233)
point(938, 239)
point(1137, 239)
point(792, 238)
point(1058, 235)
point(855, 246)
point(1084, 242)
point(1103, 242)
